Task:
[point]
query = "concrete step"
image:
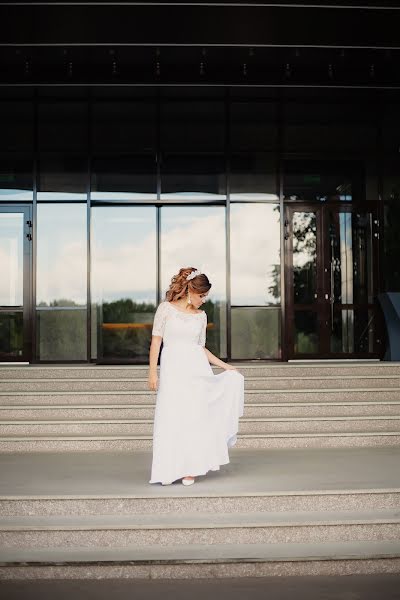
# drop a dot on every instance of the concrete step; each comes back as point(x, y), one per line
point(254, 426)
point(328, 395)
point(134, 443)
point(202, 560)
point(199, 528)
point(251, 383)
point(173, 500)
point(321, 369)
point(146, 411)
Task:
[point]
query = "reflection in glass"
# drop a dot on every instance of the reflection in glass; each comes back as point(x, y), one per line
point(351, 257)
point(62, 177)
point(304, 226)
point(11, 335)
point(124, 126)
point(192, 126)
point(61, 281)
point(321, 181)
point(194, 236)
point(253, 125)
point(305, 332)
point(353, 331)
point(255, 254)
point(256, 333)
point(62, 126)
point(123, 283)
point(124, 178)
point(62, 333)
point(253, 177)
point(16, 179)
point(11, 258)
point(16, 125)
point(193, 177)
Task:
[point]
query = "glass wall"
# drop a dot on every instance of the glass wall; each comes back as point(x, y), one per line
point(149, 180)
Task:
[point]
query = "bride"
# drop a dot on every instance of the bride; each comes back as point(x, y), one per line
point(197, 413)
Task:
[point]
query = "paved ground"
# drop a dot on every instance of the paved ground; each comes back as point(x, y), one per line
point(249, 472)
point(367, 587)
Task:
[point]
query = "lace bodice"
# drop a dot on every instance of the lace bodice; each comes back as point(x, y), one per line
point(173, 325)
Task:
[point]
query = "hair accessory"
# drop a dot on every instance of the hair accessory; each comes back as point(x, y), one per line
point(193, 274)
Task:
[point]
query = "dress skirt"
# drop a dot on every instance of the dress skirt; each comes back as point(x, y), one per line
point(197, 414)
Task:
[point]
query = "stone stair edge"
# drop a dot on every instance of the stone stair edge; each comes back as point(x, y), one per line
point(217, 553)
point(249, 377)
point(200, 520)
point(104, 437)
point(242, 419)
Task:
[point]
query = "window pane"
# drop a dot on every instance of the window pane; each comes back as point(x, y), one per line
point(193, 126)
point(62, 126)
point(16, 178)
point(304, 227)
point(16, 126)
point(124, 178)
point(256, 333)
point(195, 177)
point(61, 281)
point(61, 334)
point(305, 332)
point(332, 126)
point(253, 125)
point(124, 280)
point(391, 196)
point(255, 254)
point(62, 177)
point(124, 127)
point(11, 258)
point(323, 181)
point(11, 335)
point(253, 176)
point(187, 235)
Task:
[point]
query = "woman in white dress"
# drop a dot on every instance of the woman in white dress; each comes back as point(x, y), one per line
point(197, 413)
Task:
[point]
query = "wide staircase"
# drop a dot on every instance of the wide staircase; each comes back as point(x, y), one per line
point(313, 485)
point(93, 407)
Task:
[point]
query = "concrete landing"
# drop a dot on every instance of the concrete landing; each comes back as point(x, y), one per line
point(250, 473)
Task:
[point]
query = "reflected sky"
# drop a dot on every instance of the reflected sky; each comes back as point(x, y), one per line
point(255, 250)
point(194, 236)
point(14, 194)
point(61, 253)
point(124, 253)
point(11, 259)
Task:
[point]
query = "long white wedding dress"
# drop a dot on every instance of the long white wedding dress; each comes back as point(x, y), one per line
point(197, 413)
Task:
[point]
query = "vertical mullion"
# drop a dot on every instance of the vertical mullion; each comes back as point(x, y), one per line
point(88, 227)
point(227, 149)
point(33, 315)
point(158, 207)
point(283, 270)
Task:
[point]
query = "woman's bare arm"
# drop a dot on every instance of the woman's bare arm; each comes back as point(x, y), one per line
point(153, 358)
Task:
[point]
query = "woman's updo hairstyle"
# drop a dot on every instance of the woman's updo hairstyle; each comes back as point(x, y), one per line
point(179, 287)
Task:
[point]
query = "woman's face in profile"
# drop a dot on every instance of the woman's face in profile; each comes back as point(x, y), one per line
point(198, 299)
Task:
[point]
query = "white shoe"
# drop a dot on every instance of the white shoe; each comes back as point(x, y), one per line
point(187, 481)
point(166, 483)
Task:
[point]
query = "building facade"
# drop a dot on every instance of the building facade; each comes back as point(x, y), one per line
point(285, 192)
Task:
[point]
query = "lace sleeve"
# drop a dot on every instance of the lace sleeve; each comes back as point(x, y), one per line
point(159, 320)
point(202, 337)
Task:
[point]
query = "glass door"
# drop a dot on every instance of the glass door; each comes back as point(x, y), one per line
point(15, 259)
point(331, 281)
